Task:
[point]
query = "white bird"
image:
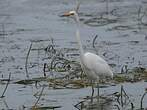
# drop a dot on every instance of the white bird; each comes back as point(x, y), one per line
point(93, 65)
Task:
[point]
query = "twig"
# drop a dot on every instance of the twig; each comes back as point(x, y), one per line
point(124, 71)
point(139, 11)
point(132, 105)
point(141, 102)
point(121, 95)
point(117, 107)
point(107, 8)
point(26, 64)
point(78, 6)
point(38, 59)
point(80, 103)
point(50, 50)
point(5, 103)
point(93, 42)
point(122, 103)
point(6, 86)
point(56, 59)
point(3, 29)
point(44, 69)
point(140, 17)
point(39, 97)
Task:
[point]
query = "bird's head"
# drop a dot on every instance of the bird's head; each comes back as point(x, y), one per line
point(70, 13)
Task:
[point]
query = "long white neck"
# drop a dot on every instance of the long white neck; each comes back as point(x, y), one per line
point(78, 35)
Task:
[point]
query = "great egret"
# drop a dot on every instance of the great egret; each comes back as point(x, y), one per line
point(93, 65)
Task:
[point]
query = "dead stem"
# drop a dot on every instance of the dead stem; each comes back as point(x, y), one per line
point(26, 64)
point(123, 93)
point(38, 98)
point(140, 17)
point(93, 42)
point(6, 86)
point(3, 30)
point(5, 103)
point(44, 67)
point(117, 107)
point(78, 104)
point(78, 5)
point(141, 102)
point(107, 7)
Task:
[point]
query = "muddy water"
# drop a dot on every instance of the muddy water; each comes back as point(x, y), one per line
point(122, 41)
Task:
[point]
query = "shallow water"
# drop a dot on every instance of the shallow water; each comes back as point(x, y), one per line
point(121, 42)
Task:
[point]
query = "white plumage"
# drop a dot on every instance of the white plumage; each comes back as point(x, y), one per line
point(95, 66)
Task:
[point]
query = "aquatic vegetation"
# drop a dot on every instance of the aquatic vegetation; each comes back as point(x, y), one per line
point(46, 108)
point(63, 72)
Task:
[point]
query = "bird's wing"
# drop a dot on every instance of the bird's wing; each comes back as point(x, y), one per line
point(96, 63)
point(90, 59)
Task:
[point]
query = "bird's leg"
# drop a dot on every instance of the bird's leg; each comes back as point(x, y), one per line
point(92, 91)
point(98, 92)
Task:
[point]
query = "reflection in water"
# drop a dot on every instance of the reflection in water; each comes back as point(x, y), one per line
point(4, 103)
